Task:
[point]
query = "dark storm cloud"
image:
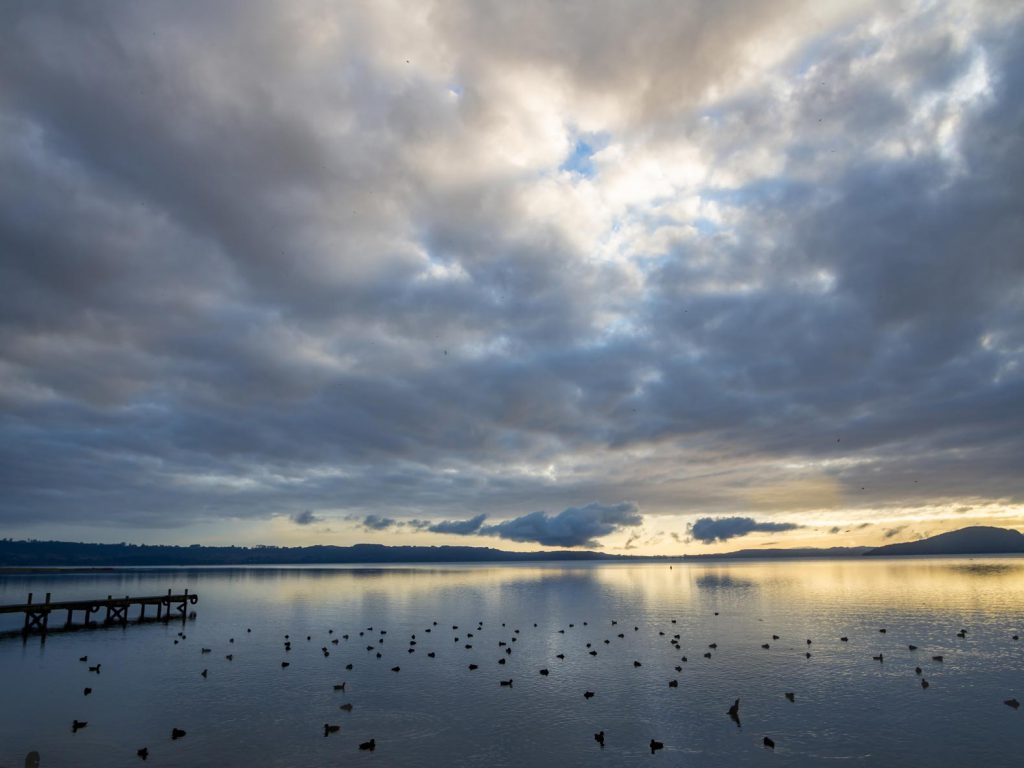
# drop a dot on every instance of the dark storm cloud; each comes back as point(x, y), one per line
point(252, 263)
point(305, 517)
point(378, 523)
point(572, 527)
point(458, 527)
point(708, 530)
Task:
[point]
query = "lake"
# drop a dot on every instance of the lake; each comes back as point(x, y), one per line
point(848, 708)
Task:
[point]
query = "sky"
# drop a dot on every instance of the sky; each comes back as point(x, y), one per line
point(646, 277)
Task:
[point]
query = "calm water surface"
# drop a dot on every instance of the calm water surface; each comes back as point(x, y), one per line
point(849, 708)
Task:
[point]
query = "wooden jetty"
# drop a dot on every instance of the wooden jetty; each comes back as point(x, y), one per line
point(37, 615)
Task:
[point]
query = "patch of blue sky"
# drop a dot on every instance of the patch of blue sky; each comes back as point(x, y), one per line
point(580, 159)
point(705, 226)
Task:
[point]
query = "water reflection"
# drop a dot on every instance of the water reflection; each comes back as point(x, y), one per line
point(723, 581)
point(437, 711)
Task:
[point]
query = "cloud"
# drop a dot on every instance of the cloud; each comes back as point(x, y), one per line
point(572, 527)
point(378, 523)
point(893, 532)
point(541, 262)
point(305, 517)
point(708, 530)
point(458, 527)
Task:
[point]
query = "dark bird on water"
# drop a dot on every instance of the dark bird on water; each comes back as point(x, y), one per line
point(655, 746)
point(203, 673)
point(396, 669)
point(368, 746)
point(544, 672)
point(588, 694)
point(599, 738)
point(348, 666)
point(844, 639)
point(77, 725)
point(1012, 703)
point(177, 733)
point(329, 729)
point(924, 683)
point(879, 657)
point(340, 686)
point(673, 683)
point(505, 683)
point(637, 664)
point(768, 743)
point(734, 711)
point(936, 658)
point(87, 691)
point(765, 646)
point(473, 666)
point(284, 664)
point(911, 647)
point(86, 658)
point(791, 696)
point(143, 753)
point(95, 669)
point(917, 670)
point(346, 707)
point(560, 656)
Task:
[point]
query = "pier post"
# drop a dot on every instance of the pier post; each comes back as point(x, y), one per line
point(46, 615)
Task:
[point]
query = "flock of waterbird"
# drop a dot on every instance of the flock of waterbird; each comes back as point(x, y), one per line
point(376, 640)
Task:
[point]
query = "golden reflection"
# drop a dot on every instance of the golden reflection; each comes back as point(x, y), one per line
point(924, 584)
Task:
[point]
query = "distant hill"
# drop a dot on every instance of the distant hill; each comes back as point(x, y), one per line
point(976, 540)
point(76, 554)
point(778, 554)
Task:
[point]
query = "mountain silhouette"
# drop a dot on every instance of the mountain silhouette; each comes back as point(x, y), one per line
point(976, 540)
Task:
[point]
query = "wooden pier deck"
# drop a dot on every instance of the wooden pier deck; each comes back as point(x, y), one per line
point(37, 615)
